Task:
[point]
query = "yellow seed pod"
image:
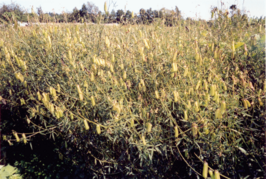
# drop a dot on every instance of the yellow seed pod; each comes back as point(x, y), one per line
point(224, 86)
point(86, 124)
point(19, 76)
point(124, 75)
point(176, 96)
point(113, 58)
point(198, 85)
point(233, 46)
point(98, 129)
point(260, 102)
point(111, 68)
point(157, 94)
point(176, 132)
point(58, 88)
point(146, 44)
point(24, 138)
point(197, 57)
point(245, 103)
point(248, 103)
point(122, 66)
point(174, 56)
point(209, 78)
point(218, 114)
point(39, 96)
point(22, 101)
point(105, 8)
point(143, 57)
point(135, 39)
point(246, 50)
point(189, 105)
point(185, 115)
point(49, 42)
point(196, 106)
point(80, 93)
point(207, 97)
point(149, 126)
point(212, 90)
point(69, 55)
point(216, 174)
point(71, 116)
point(259, 93)
point(223, 107)
point(92, 101)
point(216, 53)
point(45, 97)
point(211, 173)
point(172, 75)
point(16, 136)
point(61, 112)
point(140, 33)
point(51, 108)
point(216, 97)
point(132, 14)
point(81, 66)
point(132, 122)
point(143, 140)
point(107, 42)
point(194, 129)
point(10, 143)
point(51, 91)
point(174, 67)
point(109, 74)
point(205, 170)
point(260, 28)
point(86, 84)
point(142, 85)
point(23, 66)
point(186, 71)
point(92, 76)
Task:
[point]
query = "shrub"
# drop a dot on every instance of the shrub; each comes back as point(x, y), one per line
point(141, 101)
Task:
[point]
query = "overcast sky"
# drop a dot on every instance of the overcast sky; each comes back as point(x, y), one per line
point(188, 8)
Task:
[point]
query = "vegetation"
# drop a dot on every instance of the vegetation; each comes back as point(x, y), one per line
point(89, 13)
point(139, 101)
point(9, 172)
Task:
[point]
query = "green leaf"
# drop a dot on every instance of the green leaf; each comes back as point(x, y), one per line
point(7, 171)
point(239, 44)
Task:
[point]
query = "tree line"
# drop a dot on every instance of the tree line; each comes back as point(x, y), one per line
point(89, 12)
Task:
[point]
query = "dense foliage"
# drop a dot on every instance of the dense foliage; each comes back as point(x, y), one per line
point(141, 101)
point(89, 13)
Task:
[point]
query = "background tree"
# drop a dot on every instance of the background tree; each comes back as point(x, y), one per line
point(40, 14)
point(112, 17)
point(119, 15)
point(143, 16)
point(84, 12)
point(92, 8)
point(178, 12)
point(75, 15)
point(7, 10)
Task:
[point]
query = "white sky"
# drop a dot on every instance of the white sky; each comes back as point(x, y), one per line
point(188, 8)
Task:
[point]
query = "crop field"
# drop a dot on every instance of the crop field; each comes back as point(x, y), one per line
point(144, 101)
